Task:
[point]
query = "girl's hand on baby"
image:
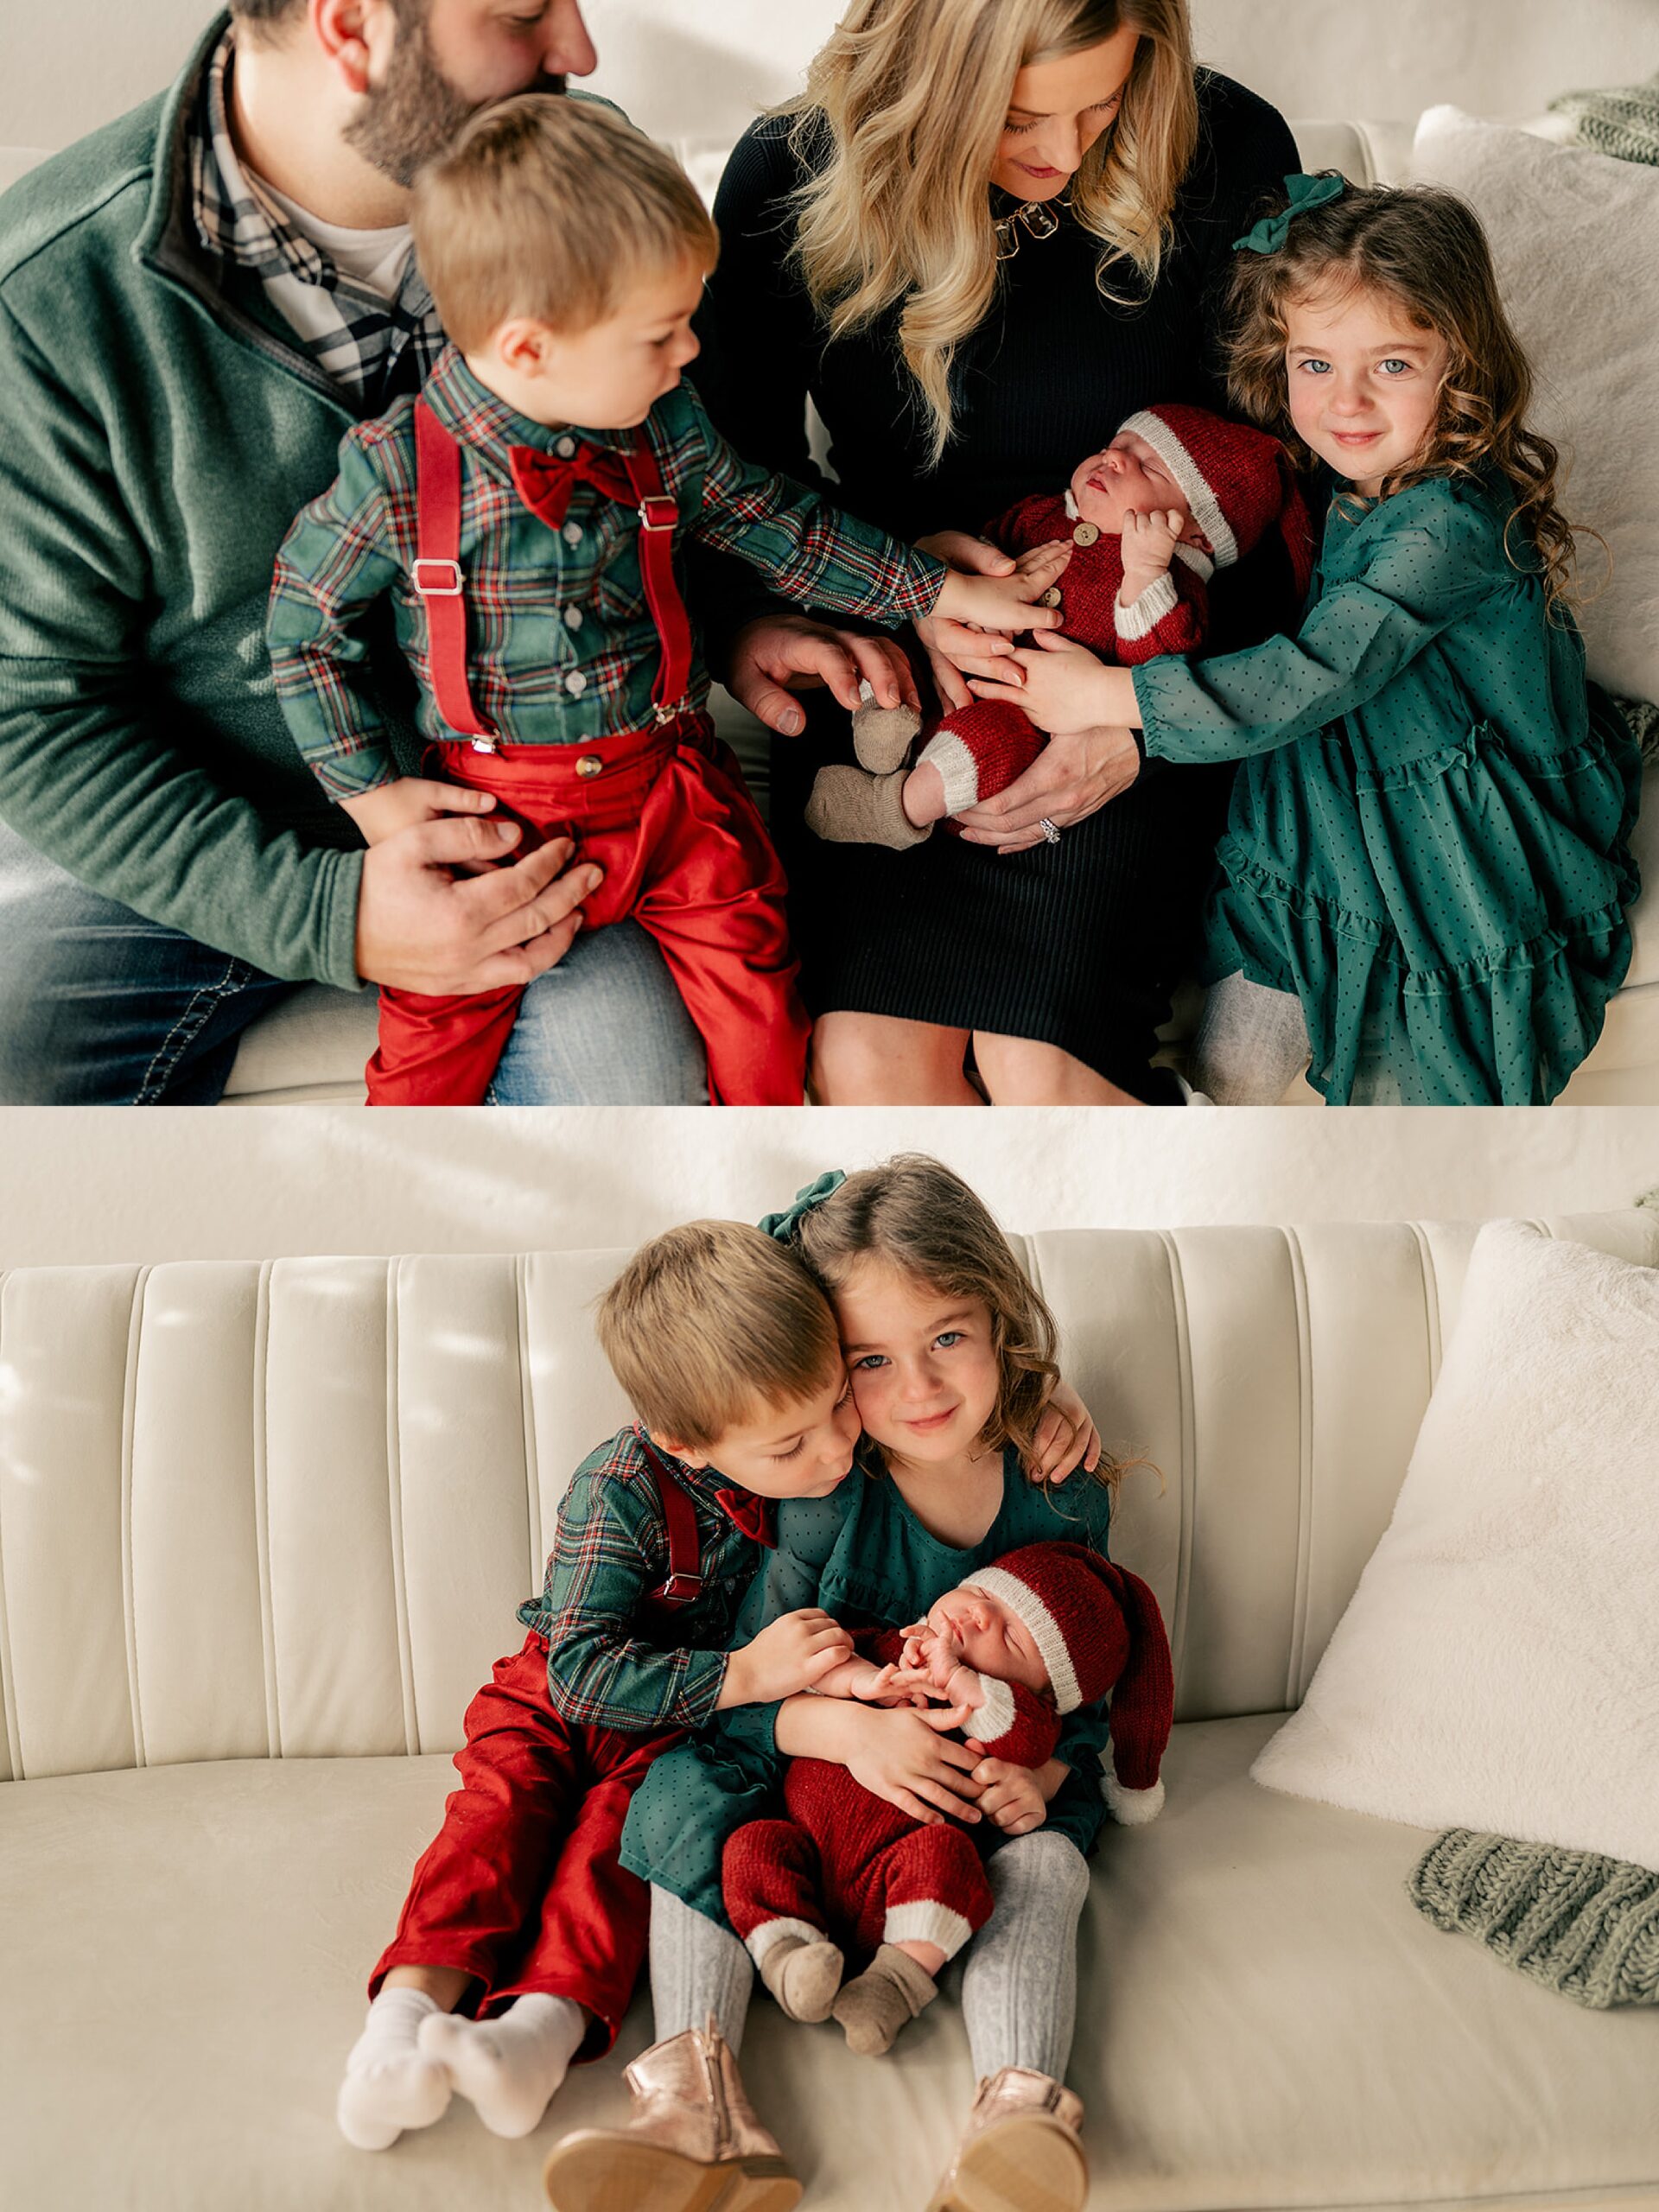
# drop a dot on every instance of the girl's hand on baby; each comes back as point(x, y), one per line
point(905, 1757)
point(897, 1685)
point(1066, 1437)
point(787, 1656)
point(1149, 543)
point(1057, 683)
point(1011, 1796)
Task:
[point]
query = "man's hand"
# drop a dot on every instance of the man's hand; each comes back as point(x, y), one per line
point(1011, 1795)
point(1066, 1437)
point(1149, 543)
point(904, 1758)
point(427, 919)
point(788, 1657)
point(780, 653)
point(1070, 779)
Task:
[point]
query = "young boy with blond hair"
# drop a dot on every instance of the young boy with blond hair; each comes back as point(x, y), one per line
point(523, 518)
point(521, 1937)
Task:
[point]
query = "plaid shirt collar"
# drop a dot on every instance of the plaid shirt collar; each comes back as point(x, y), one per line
point(471, 412)
point(715, 1493)
point(237, 221)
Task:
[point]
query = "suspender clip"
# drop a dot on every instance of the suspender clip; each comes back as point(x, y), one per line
point(658, 512)
point(679, 1590)
point(449, 588)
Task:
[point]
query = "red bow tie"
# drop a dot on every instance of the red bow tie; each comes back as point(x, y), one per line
point(545, 481)
point(748, 1513)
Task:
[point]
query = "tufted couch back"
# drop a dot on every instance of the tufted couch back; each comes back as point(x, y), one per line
point(252, 1512)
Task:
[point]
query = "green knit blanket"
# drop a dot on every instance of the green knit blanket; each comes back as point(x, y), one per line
point(1583, 1925)
point(1623, 122)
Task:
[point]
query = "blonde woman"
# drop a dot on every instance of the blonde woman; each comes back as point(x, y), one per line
point(988, 231)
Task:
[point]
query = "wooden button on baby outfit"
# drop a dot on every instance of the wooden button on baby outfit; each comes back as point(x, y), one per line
point(1051, 597)
point(1084, 534)
point(590, 765)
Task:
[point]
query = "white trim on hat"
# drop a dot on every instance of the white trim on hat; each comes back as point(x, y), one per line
point(1028, 1607)
point(1206, 508)
point(995, 1717)
point(1141, 616)
point(1131, 1809)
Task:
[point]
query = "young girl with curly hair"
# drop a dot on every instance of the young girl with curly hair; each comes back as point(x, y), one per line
point(1423, 882)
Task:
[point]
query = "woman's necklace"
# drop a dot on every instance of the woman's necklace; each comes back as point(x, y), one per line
point(1036, 217)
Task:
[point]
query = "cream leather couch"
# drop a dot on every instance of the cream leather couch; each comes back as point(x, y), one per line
point(262, 1531)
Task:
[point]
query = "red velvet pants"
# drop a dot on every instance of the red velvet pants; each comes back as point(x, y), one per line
point(665, 815)
point(521, 1885)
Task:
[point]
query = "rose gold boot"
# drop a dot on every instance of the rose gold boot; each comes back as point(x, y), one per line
point(1019, 2151)
point(692, 2144)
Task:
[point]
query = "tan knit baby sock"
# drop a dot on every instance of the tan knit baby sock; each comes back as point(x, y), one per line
point(803, 1977)
point(847, 807)
point(890, 1992)
point(882, 735)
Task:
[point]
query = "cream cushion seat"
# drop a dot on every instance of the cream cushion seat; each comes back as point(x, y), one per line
point(262, 1530)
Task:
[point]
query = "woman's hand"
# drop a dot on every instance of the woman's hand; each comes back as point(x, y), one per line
point(946, 644)
point(905, 1757)
point(1010, 1796)
point(1066, 1437)
point(1070, 779)
point(777, 654)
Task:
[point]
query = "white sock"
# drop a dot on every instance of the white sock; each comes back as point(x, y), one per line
point(508, 2068)
point(390, 2084)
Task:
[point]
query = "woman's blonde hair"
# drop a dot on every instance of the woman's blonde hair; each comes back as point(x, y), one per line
point(918, 1217)
point(913, 95)
point(1423, 248)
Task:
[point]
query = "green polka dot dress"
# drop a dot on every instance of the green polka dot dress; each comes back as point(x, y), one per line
point(1429, 838)
point(862, 1554)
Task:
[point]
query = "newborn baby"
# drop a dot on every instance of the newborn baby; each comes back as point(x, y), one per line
point(1178, 493)
point(1046, 1630)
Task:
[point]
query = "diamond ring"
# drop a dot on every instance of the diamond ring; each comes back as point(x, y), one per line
point(1049, 830)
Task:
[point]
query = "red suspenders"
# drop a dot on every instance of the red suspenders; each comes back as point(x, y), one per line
point(437, 577)
point(685, 1553)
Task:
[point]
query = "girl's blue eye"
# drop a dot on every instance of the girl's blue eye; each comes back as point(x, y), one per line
point(1394, 362)
point(1316, 368)
point(871, 1359)
point(950, 1337)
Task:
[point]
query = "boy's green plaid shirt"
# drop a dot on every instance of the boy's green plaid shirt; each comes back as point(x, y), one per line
point(562, 648)
point(612, 1661)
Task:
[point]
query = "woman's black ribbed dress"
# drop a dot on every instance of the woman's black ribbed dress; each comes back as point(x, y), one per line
point(1078, 943)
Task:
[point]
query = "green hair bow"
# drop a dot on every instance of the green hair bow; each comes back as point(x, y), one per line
point(783, 1225)
point(1268, 235)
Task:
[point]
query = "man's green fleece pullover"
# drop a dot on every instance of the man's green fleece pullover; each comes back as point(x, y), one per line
point(161, 430)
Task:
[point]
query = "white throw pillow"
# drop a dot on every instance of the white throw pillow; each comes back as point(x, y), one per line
point(1575, 239)
point(1498, 1665)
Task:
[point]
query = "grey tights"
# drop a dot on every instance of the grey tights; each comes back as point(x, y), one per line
point(1019, 1986)
point(1251, 1045)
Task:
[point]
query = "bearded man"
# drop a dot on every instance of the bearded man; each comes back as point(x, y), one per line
point(196, 302)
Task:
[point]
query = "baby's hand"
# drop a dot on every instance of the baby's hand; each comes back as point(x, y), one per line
point(381, 813)
point(1149, 543)
point(1011, 1795)
point(895, 1685)
point(1004, 603)
point(965, 1686)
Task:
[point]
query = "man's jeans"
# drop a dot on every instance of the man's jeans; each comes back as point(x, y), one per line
point(98, 1008)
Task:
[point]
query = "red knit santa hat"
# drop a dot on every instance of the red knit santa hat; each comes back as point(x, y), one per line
point(1097, 1628)
point(1237, 481)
